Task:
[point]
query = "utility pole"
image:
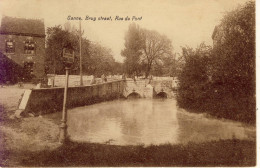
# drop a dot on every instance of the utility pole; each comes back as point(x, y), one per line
point(80, 56)
point(68, 60)
point(63, 126)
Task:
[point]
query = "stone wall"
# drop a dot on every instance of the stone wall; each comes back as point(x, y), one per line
point(49, 100)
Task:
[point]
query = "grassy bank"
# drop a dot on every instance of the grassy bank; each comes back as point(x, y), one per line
point(220, 153)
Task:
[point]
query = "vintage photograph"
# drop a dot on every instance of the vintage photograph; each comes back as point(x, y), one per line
point(138, 83)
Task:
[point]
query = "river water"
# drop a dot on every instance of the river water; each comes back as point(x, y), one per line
point(145, 122)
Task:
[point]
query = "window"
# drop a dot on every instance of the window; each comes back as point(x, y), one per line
point(29, 47)
point(28, 70)
point(10, 46)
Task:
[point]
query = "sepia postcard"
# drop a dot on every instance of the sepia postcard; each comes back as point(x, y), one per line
point(138, 83)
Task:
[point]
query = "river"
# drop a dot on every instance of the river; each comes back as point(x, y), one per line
point(145, 122)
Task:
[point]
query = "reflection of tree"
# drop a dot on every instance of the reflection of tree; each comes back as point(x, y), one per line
point(186, 128)
point(196, 128)
point(150, 121)
point(161, 124)
point(126, 122)
point(94, 122)
point(132, 121)
point(83, 121)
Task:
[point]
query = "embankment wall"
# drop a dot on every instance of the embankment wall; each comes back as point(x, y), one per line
point(48, 100)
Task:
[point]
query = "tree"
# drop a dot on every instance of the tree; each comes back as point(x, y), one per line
point(96, 59)
point(155, 49)
point(165, 66)
point(117, 68)
point(145, 49)
point(100, 60)
point(194, 78)
point(133, 49)
point(57, 39)
point(234, 61)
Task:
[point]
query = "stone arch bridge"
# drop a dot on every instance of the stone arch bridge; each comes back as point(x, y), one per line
point(146, 88)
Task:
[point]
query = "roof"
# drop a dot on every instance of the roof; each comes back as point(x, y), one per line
point(22, 26)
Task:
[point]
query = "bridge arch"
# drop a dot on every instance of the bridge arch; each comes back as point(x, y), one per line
point(161, 94)
point(133, 95)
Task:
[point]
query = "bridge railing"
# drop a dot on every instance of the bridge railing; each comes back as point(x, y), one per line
point(74, 80)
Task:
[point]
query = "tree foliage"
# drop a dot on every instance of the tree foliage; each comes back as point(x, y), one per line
point(57, 39)
point(96, 59)
point(100, 60)
point(193, 79)
point(133, 50)
point(234, 61)
point(156, 48)
point(146, 50)
point(165, 66)
point(224, 83)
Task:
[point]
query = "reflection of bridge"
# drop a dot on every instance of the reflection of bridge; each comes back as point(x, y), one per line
point(50, 99)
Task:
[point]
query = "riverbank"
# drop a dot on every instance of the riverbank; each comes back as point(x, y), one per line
point(33, 142)
point(25, 135)
point(221, 153)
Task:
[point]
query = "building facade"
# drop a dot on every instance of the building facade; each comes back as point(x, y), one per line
point(22, 41)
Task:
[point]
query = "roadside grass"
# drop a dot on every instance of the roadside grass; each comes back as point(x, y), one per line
point(216, 153)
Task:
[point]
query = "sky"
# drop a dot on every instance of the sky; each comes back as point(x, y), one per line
point(184, 22)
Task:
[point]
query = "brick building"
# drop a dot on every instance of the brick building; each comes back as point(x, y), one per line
point(22, 45)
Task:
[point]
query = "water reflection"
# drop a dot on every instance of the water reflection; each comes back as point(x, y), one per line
point(146, 121)
point(197, 128)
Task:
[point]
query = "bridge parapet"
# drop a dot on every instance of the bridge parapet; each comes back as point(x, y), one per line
point(134, 86)
point(163, 86)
